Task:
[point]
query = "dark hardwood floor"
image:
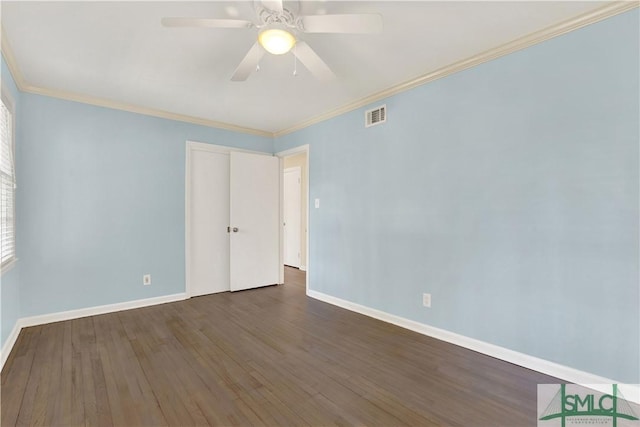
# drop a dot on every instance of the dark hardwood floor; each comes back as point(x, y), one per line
point(268, 356)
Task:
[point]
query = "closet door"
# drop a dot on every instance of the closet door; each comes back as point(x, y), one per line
point(208, 211)
point(255, 220)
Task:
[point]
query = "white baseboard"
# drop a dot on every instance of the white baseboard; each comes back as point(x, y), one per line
point(9, 343)
point(101, 309)
point(25, 322)
point(303, 268)
point(530, 362)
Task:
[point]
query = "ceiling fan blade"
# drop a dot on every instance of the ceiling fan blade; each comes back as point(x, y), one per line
point(351, 24)
point(312, 61)
point(206, 23)
point(275, 5)
point(248, 64)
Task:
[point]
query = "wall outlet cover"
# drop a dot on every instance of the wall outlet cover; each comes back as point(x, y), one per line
point(426, 300)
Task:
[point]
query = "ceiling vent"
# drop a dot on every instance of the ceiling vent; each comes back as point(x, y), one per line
point(376, 116)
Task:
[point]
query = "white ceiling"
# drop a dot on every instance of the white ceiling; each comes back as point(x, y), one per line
point(118, 51)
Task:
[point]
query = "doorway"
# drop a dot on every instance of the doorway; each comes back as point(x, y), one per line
point(295, 209)
point(292, 200)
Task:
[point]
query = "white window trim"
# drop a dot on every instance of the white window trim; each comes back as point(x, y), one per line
point(9, 102)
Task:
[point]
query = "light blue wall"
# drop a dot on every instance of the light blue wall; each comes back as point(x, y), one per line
point(10, 280)
point(102, 203)
point(508, 191)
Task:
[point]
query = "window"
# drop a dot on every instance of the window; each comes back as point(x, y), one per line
point(7, 185)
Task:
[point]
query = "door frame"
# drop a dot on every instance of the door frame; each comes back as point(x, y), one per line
point(282, 154)
point(190, 147)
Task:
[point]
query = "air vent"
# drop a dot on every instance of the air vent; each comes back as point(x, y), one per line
point(375, 116)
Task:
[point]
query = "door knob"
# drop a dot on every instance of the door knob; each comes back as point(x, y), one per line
point(235, 229)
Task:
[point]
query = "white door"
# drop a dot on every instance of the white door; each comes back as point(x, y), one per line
point(208, 263)
point(255, 219)
point(292, 216)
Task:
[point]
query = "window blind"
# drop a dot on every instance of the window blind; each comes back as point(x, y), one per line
point(7, 187)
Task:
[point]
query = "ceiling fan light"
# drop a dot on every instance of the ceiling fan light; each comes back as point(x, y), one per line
point(276, 41)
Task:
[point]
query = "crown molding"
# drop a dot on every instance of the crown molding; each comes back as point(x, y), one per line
point(24, 86)
point(100, 102)
point(10, 60)
point(608, 10)
point(604, 12)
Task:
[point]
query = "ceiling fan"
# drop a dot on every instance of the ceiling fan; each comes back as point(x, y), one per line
point(278, 27)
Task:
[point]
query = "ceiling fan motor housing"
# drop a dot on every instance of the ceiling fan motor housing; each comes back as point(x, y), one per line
point(286, 18)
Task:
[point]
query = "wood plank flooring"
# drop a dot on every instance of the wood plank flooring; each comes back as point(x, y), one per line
point(264, 357)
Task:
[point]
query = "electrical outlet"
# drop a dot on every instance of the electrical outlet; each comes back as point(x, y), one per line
point(146, 279)
point(426, 300)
